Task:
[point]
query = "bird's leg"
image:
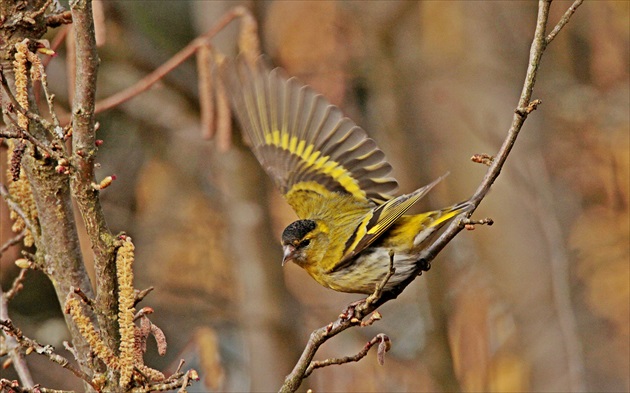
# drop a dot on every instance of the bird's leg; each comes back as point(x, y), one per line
point(378, 291)
point(349, 312)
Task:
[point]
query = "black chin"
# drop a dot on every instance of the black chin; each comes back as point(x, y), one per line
point(297, 230)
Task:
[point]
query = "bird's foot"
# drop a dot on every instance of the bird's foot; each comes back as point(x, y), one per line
point(354, 311)
point(349, 313)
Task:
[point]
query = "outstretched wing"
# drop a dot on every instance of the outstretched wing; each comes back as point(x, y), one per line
point(302, 141)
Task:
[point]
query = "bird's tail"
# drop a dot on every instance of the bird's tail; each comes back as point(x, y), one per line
point(434, 220)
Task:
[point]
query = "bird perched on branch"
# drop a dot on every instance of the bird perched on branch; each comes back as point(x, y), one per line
point(335, 178)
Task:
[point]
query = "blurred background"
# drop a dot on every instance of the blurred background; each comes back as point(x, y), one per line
point(538, 302)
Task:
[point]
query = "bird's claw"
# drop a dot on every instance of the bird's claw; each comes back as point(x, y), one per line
point(349, 314)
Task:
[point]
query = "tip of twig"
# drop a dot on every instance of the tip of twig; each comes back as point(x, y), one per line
point(470, 224)
point(482, 158)
point(106, 182)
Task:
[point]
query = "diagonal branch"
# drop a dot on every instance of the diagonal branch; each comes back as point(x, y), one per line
point(11, 242)
point(4, 193)
point(563, 21)
point(181, 56)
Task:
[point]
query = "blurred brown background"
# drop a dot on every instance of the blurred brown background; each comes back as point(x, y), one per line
point(537, 302)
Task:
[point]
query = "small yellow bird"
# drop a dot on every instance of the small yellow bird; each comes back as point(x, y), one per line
point(335, 178)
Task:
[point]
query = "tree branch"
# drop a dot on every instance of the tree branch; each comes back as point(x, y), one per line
point(563, 21)
point(27, 343)
point(13, 241)
point(380, 339)
point(14, 387)
point(54, 231)
point(10, 342)
point(4, 193)
point(83, 158)
point(181, 56)
point(524, 107)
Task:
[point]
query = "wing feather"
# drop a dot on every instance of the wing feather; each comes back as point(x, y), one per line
point(299, 137)
point(379, 219)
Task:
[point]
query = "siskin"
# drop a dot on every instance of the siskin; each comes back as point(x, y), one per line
point(335, 178)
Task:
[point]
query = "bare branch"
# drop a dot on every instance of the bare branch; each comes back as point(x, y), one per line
point(16, 286)
point(14, 387)
point(83, 158)
point(380, 339)
point(23, 133)
point(178, 380)
point(352, 316)
point(16, 208)
point(12, 345)
point(11, 242)
point(48, 351)
point(30, 115)
point(181, 56)
point(563, 21)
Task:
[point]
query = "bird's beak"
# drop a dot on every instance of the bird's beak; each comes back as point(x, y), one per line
point(288, 251)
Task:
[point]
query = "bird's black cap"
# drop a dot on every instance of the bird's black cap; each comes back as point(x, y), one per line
point(297, 230)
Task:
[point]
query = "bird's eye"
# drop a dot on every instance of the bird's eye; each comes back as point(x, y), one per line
point(304, 243)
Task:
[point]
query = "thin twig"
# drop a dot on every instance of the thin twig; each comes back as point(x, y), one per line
point(46, 350)
point(469, 223)
point(379, 338)
point(179, 380)
point(223, 112)
point(16, 286)
point(181, 56)
point(30, 115)
point(352, 316)
point(536, 51)
point(17, 209)
point(563, 21)
point(36, 13)
point(23, 133)
point(49, 100)
point(12, 345)
point(14, 387)
point(482, 158)
point(11, 242)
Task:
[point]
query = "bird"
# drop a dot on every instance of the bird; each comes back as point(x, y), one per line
point(335, 178)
